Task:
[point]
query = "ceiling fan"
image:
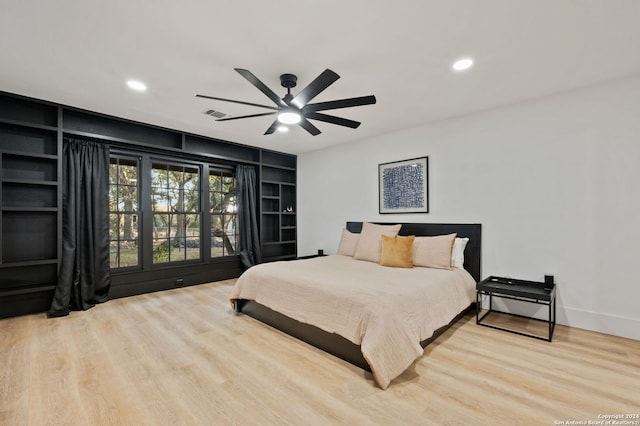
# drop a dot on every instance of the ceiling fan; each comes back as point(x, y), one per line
point(297, 109)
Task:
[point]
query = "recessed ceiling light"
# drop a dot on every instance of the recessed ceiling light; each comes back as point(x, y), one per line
point(283, 129)
point(462, 64)
point(137, 85)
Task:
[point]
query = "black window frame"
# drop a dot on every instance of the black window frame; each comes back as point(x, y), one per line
point(176, 164)
point(145, 219)
point(231, 194)
point(136, 214)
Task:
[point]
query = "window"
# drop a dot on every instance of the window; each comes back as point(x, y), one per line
point(222, 196)
point(123, 212)
point(175, 204)
point(167, 198)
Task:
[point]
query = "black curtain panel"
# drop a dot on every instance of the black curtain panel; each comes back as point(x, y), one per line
point(249, 245)
point(84, 277)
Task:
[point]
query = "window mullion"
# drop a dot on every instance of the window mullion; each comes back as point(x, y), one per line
point(205, 215)
point(146, 215)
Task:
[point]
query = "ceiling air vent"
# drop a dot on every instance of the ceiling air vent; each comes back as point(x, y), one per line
point(214, 113)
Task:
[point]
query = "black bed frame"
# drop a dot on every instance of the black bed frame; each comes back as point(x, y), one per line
point(338, 345)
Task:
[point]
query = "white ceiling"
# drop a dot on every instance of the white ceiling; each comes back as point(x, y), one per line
point(81, 52)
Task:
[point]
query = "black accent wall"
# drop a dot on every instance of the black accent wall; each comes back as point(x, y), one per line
point(31, 133)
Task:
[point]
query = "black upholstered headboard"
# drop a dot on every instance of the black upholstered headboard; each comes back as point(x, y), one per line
point(473, 231)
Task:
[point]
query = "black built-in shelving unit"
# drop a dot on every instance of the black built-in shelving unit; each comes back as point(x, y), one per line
point(31, 134)
point(30, 213)
point(278, 206)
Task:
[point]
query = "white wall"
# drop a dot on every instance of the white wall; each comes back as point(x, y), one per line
point(554, 183)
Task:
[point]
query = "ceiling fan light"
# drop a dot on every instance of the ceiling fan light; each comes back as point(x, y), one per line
point(289, 117)
point(462, 64)
point(283, 129)
point(137, 85)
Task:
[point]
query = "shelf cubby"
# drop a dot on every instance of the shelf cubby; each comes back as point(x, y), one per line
point(15, 196)
point(270, 228)
point(279, 251)
point(29, 236)
point(288, 220)
point(278, 175)
point(278, 159)
point(270, 204)
point(27, 140)
point(28, 112)
point(28, 167)
point(288, 234)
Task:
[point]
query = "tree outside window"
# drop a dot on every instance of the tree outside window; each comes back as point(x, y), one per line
point(222, 197)
point(176, 212)
point(123, 212)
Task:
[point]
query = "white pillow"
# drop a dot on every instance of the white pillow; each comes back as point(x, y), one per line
point(370, 241)
point(348, 243)
point(457, 254)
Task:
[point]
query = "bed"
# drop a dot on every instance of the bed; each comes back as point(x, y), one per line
point(380, 323)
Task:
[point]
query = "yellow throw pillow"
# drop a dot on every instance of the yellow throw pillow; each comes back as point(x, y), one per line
point(397, 251)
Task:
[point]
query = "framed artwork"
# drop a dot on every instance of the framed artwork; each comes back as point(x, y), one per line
point(404, 186)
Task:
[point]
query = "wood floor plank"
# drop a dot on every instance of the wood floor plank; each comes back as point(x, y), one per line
point(184, 357)
point(14, 373)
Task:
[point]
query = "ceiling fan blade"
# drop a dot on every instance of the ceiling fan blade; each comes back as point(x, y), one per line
point(261, 86)
point(333, 120)
point(324, 80)
point(340, 103)
point(272, 128)
point(306, 124)
point(236, 102)
point(246, 116)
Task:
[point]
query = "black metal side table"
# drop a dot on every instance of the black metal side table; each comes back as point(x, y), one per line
point(526, 291)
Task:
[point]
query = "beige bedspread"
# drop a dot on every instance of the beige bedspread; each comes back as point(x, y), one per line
point(387, 311)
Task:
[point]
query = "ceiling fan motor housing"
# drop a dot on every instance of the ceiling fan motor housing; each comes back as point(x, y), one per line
point(288, 80)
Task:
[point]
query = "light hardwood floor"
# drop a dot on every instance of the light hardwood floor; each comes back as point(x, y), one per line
point(183, 357)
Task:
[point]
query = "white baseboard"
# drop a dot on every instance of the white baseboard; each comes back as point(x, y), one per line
point(602, 323)
point(587, 320)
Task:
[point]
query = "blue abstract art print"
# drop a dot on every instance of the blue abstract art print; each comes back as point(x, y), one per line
point(404, 186)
